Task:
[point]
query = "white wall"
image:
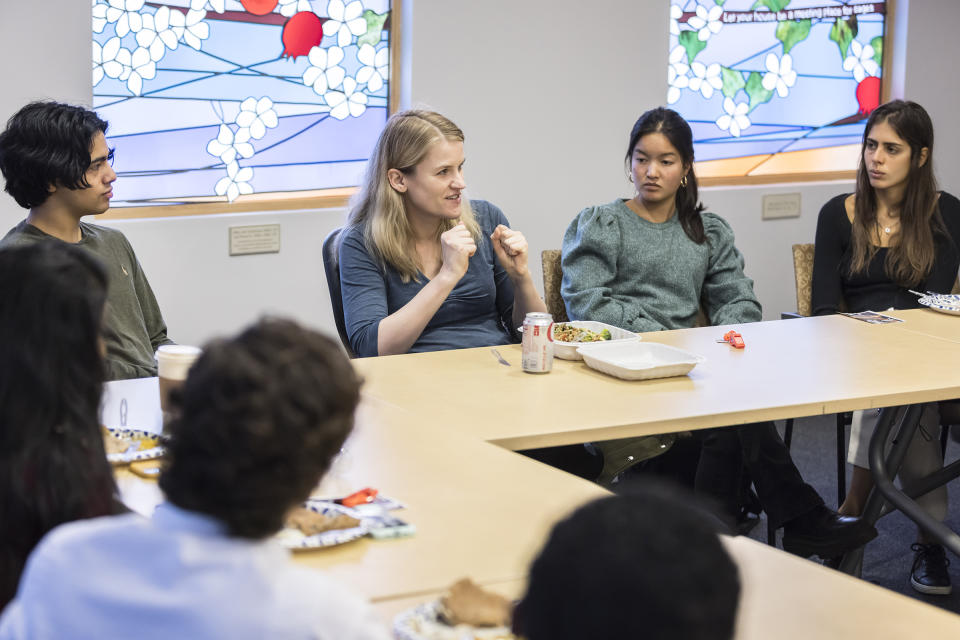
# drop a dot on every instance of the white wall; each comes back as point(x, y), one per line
point(546, 93)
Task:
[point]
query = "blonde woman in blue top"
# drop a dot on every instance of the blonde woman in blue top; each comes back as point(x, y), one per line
point(421, 267)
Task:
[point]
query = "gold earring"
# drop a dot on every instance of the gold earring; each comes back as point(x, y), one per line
point(683, 180)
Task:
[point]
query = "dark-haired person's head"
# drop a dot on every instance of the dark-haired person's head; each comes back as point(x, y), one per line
point(896, 159)
point(262, 417)
point(53, 467)
point(679, 137)
point(640, 565)
point(48, 146)
point(912, 124)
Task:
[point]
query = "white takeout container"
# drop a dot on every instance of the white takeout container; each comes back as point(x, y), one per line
point(635, 360)
point(568, 350)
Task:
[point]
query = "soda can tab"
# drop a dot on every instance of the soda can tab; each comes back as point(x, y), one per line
point(537, 343)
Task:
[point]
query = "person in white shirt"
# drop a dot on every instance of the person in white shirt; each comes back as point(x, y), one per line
point(262, 416)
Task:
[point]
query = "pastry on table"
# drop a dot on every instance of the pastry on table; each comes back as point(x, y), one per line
point(310, 522)
point(466, 603)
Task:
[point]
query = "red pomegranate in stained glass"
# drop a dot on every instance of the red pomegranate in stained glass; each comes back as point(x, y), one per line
point(259, 7)
point(302, 32)
point(868, 94)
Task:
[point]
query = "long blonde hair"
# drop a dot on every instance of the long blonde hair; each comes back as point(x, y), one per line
point(380, 211)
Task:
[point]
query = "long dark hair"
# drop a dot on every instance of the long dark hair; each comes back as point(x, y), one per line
point(53, 468)
point(911, 255)
point(675, 128)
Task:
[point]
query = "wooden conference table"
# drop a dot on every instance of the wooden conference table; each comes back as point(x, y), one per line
point(429, 424)
point(789, 369)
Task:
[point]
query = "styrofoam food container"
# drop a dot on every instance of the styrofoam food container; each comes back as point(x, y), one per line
point(568, 350)
point(635, 360)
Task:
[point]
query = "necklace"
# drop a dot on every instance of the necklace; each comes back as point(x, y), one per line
point(889, 228)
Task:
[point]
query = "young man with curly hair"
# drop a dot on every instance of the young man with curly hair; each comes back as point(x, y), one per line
point(56, 164)
point(262, 417)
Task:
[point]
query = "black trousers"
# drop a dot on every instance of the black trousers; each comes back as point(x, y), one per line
point(758, 451)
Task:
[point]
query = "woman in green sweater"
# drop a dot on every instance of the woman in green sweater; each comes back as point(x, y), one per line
point(650, 263)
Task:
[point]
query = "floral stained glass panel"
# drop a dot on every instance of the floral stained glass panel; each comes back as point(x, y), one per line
point(214, 99)
point(775, 86)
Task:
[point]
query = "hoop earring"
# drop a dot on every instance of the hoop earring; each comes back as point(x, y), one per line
point(683, 180)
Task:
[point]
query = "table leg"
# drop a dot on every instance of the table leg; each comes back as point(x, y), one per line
point(884, 482)
point(851, 562)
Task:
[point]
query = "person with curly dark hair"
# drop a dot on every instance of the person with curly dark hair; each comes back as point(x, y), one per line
point(53, 468)
point(56, 163)
point(645, 564)
point(262, 417)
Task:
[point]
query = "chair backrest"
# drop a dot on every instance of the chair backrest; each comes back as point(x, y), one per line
point(552, 278)
point(803, 275)
point(331, 267)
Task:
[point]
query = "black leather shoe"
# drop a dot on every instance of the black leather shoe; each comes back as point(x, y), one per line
point(825, 533)
point(929, 574)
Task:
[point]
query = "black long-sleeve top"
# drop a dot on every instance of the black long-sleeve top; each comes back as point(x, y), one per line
point(873, 289)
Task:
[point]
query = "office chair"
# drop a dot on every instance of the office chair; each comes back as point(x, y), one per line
point(331, 267)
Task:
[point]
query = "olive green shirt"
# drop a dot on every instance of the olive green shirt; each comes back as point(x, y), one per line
point(133, 326)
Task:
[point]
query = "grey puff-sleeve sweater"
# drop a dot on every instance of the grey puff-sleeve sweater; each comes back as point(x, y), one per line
point(626, 271)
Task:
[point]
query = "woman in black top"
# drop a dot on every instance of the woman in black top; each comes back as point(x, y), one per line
point(896, 233)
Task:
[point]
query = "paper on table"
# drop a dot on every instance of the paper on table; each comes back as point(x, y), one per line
point(132, 404)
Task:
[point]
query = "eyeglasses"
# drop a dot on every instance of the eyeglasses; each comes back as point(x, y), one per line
point(99, 164)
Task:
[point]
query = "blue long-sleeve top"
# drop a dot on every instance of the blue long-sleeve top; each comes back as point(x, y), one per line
point(478, 312)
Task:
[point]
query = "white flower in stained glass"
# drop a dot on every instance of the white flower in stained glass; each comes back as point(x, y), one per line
point(99, 16)
point(97, 63)
point(376, 66)
point(676, 12)
point(780, 74)
point(115, 59)
point(255, 117)
point(348, 102)
point(235, 183)
point(706, 22)
point(324, 72)
point(345, 20)
point(735, 119)
point(705, 78)
point(860, 61)
point(190, 29)
point(157, 35)
point(226, 147)
point(141, 68)
point(126, 13)
point(677, 74)
point(217, 5)
point(290, 7)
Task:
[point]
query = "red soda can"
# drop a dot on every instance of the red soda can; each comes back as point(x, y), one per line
point(537, 343)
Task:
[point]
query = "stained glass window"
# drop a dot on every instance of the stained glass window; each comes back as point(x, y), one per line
point(214, 99)
point(775, 86)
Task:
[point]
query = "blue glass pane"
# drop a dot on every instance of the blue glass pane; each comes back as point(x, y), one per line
point(743, 76)
point(202, 102)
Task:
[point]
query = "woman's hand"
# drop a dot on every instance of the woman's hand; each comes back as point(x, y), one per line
point(511, 249)
point(456, 247)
